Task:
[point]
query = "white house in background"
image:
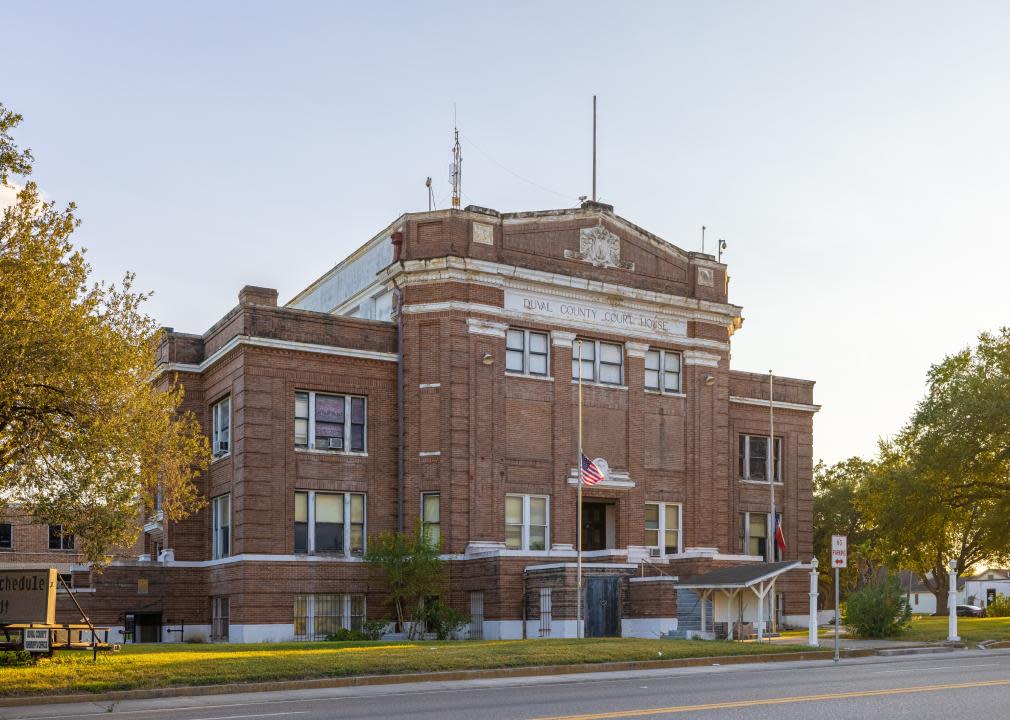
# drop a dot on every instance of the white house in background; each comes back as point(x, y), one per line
point(982, 588)
point(920, 597)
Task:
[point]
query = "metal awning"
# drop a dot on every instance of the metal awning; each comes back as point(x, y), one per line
point(738, 576)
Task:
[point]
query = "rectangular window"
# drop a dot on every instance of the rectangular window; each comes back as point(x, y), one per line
point(755, 532)
point(527, 522)
point(662, 371)
point(219, 618)
point(601, 361)
point(662, 528)
point(6, 536)
point(335, 423)
point(753, 458)
point(221, 523)
point(58, 540)
point(221, 427)
point(321, 615)
point(329, 523)
point(526, 352)
point(431, 518)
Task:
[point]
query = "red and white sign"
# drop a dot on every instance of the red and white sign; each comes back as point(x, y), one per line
point(839, 551)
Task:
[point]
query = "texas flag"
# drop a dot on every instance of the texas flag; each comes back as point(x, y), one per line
point(780, 539)
point(591, 473)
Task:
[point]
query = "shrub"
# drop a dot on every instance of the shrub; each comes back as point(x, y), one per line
point(10, 658)
point(374, 629)
point(443, 620)
point(999, 607)
point(345, 635)
point(879, 610)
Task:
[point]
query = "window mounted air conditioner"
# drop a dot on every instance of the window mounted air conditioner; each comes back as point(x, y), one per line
point(334, 443)
point(654, 552)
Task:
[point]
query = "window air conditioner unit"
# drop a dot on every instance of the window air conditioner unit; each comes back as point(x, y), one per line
point(334, 443)
point(654, 552)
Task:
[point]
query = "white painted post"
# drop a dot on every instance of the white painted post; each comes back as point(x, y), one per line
point(812, 639)
point(952, 635)
point(703, 593)
point(761, 614)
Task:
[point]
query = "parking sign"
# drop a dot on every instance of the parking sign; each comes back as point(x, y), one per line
point(839, 551)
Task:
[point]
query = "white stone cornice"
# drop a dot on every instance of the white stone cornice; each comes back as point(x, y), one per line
point(636, 349)
point(778, 404)
point(697, 357)
point(274, 345)
point(561, 338)
point(457, 269)
point(476, 326)
point(520, 318)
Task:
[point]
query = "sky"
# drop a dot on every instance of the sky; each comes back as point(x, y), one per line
point(854, 156)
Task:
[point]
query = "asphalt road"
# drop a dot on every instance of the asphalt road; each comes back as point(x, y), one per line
point(966, 684)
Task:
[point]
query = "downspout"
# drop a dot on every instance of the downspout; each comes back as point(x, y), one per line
point(397, 238)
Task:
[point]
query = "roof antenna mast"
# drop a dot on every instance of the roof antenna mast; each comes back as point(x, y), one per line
point(594, 148)
point(431, 194)
point(456, 169)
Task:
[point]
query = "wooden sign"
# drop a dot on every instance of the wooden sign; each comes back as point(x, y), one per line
point(28, 596)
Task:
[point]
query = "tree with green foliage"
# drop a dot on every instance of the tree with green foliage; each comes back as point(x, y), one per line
point(412, 571)
point(837, 490)
point(878, 610)
point(942, 487)
point(85, 438)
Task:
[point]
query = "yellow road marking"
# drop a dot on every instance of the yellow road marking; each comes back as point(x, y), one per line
point(778, 701)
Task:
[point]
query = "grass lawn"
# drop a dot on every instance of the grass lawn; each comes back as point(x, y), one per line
point(971, 630)
point(146, 666)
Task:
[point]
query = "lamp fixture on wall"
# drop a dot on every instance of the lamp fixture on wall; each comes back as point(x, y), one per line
point(710, 380)
point(487, 359)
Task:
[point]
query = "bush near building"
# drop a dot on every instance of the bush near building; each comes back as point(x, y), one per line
point(879, 610)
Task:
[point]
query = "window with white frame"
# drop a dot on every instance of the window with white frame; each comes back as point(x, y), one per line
point(321, 615)
point(330, 523)
point(753, 458)
point(527, 524)
point(662, 371)
point(221, 526)
point(755, 533)
point(431, 518)
point(221, 427)
point(601, 361)
point(334, 423)
point(662, 527)
point(526, 351)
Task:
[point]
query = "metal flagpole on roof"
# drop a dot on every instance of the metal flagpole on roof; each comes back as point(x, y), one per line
point(578, 514)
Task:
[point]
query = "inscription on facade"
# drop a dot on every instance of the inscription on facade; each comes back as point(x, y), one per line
point(614, 319)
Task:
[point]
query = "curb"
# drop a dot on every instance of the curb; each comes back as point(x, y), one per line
point(364, 680)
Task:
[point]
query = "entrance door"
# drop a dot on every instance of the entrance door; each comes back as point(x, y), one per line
point(602, 610)
point(594, 526)
point(148, 627)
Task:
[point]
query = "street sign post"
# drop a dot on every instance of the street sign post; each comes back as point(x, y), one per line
point(839, 559)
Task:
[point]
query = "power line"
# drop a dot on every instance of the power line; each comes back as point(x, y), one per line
point(514, 173)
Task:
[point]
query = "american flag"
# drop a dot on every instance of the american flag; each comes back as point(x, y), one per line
point(591, 474)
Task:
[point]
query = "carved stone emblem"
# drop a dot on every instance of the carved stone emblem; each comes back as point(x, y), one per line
point(483, 233)
point(599, 247)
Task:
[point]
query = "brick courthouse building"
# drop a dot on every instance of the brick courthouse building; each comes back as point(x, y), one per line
point(323, 437)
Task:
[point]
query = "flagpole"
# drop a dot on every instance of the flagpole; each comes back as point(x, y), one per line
point(773, 545)
point(578, 533)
